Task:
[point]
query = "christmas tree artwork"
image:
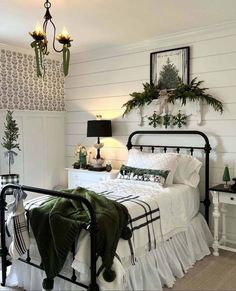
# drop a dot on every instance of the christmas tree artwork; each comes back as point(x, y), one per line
point(226, 177)
point(9, 140)
point(169, 77)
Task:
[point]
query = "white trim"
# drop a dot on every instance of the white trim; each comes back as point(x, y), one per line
point(27, 51)
point(35, 112)
point(162, 40)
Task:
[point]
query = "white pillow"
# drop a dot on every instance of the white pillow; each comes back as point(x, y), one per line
point(154, 161)
point(187, 171)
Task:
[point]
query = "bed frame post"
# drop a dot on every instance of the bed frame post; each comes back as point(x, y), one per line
point(4, 251)
point(93, 286)
point(207, 201)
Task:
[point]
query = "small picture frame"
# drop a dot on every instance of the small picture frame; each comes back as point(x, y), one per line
point(169, 67)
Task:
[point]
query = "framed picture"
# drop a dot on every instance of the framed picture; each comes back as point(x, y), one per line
point(169, 67)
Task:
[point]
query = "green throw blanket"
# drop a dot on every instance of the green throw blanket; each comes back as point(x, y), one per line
point(57, 223)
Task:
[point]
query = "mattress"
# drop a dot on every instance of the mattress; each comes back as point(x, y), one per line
point(175, 200)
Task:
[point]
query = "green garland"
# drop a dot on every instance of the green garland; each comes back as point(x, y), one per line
point(141, 98)
point(193, 92)
point(183, 92)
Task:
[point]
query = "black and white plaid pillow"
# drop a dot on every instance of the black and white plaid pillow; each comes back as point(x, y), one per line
point(8, 179)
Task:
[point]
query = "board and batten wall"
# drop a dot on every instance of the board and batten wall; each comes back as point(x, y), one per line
point(100, 82)
point(40, 162)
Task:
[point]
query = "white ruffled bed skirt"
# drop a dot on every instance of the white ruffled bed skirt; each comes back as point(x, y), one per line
point(170, 260)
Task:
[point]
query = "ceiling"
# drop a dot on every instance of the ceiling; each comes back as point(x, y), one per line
point(100, 23)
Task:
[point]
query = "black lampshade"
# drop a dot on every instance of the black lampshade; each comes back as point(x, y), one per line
point(99, 128)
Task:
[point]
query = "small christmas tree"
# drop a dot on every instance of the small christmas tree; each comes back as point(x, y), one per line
point(169, 77)
point(226, 177)
point(11, 134)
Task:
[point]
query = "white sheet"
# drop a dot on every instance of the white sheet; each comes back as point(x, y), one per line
point(177, 203)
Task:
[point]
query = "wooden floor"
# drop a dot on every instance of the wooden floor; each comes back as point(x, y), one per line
point(212, 273)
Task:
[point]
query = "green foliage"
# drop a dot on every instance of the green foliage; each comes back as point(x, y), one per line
point(139, 99)
point(183, 92)
point(193, 92)
point(11, 133)
point(169, 78)
point(226, 175)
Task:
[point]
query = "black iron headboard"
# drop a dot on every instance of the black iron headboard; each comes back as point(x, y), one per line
point(206, 149)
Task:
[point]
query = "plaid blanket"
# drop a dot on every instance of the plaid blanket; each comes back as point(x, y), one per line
point(144, 217)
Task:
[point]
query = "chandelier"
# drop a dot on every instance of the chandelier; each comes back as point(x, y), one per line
point(40, 43)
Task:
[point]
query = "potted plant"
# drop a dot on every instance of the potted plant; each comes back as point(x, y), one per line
point(81, 154)
point(9, 142)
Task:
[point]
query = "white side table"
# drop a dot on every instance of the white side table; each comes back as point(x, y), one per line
point(84, 178)
point(222, 197)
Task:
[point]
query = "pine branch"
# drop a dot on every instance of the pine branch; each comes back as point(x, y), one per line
point(141, 98)
point(193, 92)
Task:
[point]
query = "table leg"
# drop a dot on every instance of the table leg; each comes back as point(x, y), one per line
point(223, 211)
point(216, 215)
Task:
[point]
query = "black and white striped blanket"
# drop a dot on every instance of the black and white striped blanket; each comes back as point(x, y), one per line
point(144, 217)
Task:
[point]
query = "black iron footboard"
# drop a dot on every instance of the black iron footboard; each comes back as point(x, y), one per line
point(91, 227)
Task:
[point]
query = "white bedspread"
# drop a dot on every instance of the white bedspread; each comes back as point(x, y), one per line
point(177, 205)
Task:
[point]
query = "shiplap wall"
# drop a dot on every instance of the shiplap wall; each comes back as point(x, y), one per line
point(101, 81)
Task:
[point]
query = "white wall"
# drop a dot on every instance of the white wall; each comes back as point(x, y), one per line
point(101, 81)
point(41, 161)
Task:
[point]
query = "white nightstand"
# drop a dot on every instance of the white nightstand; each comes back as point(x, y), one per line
point(84, 178)
point(223, 196)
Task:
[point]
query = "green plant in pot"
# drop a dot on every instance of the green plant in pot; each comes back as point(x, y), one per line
point(9, 142)
point(81, 154)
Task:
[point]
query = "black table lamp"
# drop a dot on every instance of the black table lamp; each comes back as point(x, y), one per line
point(99, 128)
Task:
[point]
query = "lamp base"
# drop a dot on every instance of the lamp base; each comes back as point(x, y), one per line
point(97, 169)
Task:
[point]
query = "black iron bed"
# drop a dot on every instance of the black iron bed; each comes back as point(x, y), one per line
point(92, 225)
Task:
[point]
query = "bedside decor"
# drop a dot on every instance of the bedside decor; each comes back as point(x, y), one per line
point(81, 154)
point(169, 68)
point(226, 177)
point(9, 142)
point(98, 128)
point(40, 43)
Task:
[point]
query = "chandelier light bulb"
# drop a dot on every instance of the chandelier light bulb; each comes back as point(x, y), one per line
point(65, 33)
point(38, 29)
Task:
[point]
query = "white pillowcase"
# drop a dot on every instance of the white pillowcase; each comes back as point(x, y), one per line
point(154, 161)
point(187, 171)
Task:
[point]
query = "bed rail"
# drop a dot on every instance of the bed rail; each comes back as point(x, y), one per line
point(8, 190)
point(206, 148)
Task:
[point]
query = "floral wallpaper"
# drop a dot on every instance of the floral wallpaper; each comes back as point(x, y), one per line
point(20, 88)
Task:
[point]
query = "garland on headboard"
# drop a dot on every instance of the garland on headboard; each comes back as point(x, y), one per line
point(183, 93)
